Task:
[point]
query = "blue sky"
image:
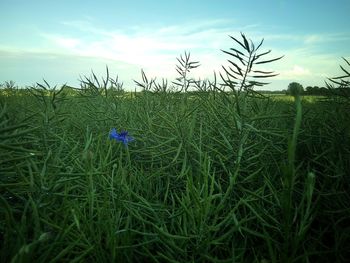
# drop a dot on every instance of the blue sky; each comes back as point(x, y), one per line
point(61, 41)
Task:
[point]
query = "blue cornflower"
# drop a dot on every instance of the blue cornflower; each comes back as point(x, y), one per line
point(122, 136)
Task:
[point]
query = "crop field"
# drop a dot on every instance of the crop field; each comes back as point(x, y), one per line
point(205, 176)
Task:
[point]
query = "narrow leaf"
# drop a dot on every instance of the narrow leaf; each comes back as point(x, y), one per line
point(236, 56)
point(340, 77)
point(346, 61)
point(259, 45)
point(236, 50)
point(265, 76)
point(237, 67)
point(228, 73)
point(345, 70)
point(267, 61)
point(258, 83)
point(246, 44)
point(256, 57)
point(232, 70)
point(238, 42)
point(263, 72)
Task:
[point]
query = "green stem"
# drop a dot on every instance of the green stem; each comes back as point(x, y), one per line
point(289, 185)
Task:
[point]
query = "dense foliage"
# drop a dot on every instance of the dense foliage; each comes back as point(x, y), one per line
point(295, 89)
point(223, 174)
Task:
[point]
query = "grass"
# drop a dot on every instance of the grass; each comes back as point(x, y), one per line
point(198, 184)
point(220, 174)
point(289, 98)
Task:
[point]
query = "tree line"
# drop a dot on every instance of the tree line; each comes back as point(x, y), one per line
point(296, 88)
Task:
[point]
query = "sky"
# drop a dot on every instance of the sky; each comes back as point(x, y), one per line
point(62, 42)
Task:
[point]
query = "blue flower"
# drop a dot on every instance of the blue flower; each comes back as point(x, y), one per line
point(121, 137)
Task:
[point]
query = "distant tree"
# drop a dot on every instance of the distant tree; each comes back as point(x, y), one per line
point(295, 89)
point(309, 90)
point(316, 90)
point(323, 91)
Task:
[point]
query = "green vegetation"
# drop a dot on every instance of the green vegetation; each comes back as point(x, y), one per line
point(295, 89)
point(219, 174)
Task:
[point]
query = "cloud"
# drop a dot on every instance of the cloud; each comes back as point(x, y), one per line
point(65, 42)
point(311, 39)
point(156, 48)
point(59, 68)
point(68, 42)
point(55, 42)
point(296, 72)
point(325, 38)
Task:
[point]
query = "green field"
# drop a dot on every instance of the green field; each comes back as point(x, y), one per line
point(209, 173)
point(200, 182)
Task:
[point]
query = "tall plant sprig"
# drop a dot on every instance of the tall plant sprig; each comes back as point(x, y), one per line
point(146, 85)
point(49, 97)
point(340, 85)
point(184, 67)
point(241, 77)
point(343, 80)
point(241, 74)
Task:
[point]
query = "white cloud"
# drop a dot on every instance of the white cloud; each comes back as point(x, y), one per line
point(67, 42)
point(156, 49)
point(61, 41)
point(324, 38)
point(311, 39)
point(153, 49)
point(297, 71)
